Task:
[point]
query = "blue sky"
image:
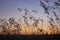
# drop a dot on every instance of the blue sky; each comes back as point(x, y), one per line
point(8, 8)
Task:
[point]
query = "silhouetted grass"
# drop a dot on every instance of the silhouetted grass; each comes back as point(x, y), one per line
point(29, 37)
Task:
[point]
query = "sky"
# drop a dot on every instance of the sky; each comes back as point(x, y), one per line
point(8, 8)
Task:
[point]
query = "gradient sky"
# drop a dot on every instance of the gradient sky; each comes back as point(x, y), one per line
point(8, 8)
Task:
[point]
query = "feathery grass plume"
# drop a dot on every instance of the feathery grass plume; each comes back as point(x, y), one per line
point(45, 7)
point(4, 26)
point(24, 17)
point(41, 20)
point(42, 4)
point(46, 11)
point(11, 21)
point(56, 4)
point(34, 11)
point(40, 30)
point(36, 21)
point(31, 17)
point(51, 19)
point(4, 30)
point(56, 16)
point(53, 7)
point(3, 21)
point(46, 1)
point(51, 24)
point(58, 0)
point(26, 21)
point(19, 9)
point(26, 11)
point(17, 26)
